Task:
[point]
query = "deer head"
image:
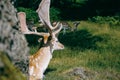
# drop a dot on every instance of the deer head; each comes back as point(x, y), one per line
point(54, 42)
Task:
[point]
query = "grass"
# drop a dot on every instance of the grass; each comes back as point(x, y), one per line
point(94, 47)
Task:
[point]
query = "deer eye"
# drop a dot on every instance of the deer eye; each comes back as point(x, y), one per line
point(50, 37)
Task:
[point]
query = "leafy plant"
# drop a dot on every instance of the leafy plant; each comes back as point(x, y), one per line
point(114, 20)
point(31, 15)
point(54, 14)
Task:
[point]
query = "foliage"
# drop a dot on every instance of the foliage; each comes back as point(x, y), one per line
point(8, 72)
point(31, 15)
point(77, 9)
point(114, 20)
point(33, 4)
point(54, 14)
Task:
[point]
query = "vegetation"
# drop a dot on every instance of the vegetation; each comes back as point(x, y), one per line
point(31, 15)
point(111, 20)
point(9, 71)
point(77, 9)
point(94, 47)
point(54, 14)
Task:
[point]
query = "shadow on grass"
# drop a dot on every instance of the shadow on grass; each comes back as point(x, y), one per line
point(81, 39)
point(50, 70)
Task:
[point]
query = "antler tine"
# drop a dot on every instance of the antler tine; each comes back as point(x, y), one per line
point(22, 18)
point(43, 13)
point(59, 28)
point(24, 28)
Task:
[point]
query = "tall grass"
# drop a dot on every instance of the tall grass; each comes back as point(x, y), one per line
point(94, 47)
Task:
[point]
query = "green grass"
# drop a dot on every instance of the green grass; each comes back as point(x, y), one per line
point(94, 47)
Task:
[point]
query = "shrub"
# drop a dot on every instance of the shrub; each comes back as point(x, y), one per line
point(31, 15)
point(54, 14)
point(114, 20)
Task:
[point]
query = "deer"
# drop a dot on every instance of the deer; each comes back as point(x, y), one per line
point(39, 61)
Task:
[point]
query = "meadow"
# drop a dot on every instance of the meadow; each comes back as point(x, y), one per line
point(94, 50)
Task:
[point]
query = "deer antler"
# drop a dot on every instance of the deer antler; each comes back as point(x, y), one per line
point(25, 30)
point(43, 12)
point(22, 18)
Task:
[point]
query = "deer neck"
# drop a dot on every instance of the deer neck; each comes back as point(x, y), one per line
point(49, 47)
point(42, 51)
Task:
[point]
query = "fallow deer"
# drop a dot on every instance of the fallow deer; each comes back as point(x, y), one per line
point(39, 61)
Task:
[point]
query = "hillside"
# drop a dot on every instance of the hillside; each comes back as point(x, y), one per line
point(91, 53)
